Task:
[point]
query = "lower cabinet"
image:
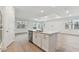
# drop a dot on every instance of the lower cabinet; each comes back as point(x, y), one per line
point(35, 41)
point(56, 42)
point(52, 43)
point(39, 39)
point(44, 41)
point(60, 42)
point(71, 43)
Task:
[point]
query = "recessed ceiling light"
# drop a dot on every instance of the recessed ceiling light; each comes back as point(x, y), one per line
point(42, 11)
point(70, 15)
point(45, 16)
point(67, 11)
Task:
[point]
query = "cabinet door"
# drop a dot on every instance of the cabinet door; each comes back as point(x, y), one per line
point(45, 43)
point(39, 38)
point(71, 43)
point(35, 38)
point(52, 43)
point(60, 42)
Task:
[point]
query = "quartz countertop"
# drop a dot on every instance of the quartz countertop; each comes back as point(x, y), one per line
point(62, 32)
point(46, 32)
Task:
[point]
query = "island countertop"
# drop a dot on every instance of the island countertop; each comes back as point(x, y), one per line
point(62, 32)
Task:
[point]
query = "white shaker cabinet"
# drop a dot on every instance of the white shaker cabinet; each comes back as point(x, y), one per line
point(60, 42)
point(71, 43)
point(52, 42)
point(35, 38)
point(49, 42)
point(45, 43)
point(39, 38)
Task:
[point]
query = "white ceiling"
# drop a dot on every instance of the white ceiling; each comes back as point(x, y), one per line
point(30, 12)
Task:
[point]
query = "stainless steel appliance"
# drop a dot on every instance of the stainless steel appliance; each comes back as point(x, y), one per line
point(30, 36)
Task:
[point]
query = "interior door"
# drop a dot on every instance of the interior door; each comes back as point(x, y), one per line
point(8, 26)
point(0, 27)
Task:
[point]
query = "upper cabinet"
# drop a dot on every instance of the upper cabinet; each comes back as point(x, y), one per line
point(38, 26)
point(72, 24)
point(20, 24)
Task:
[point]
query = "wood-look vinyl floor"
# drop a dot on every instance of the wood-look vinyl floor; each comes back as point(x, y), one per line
point(23, 47)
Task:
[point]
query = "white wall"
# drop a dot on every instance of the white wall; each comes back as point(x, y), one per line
point(8, 18)
point(58, 25)
point(54, 26)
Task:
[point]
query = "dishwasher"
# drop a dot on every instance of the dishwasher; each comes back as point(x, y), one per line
point(30, 36)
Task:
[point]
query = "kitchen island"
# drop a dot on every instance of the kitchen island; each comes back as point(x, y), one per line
point(56, 42)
